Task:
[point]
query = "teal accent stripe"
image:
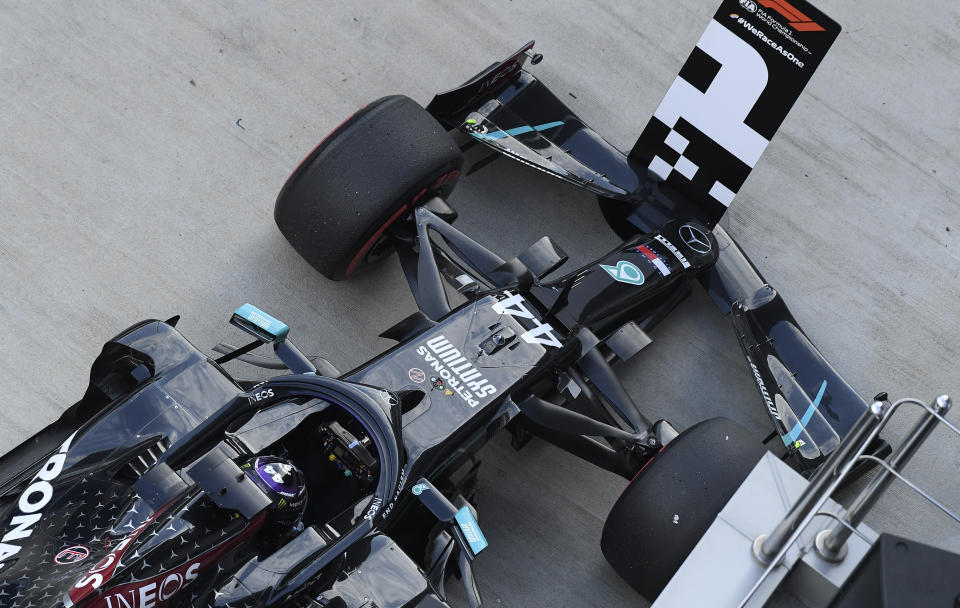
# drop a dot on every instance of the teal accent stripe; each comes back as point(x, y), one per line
point(519, 130)
point(791, 437)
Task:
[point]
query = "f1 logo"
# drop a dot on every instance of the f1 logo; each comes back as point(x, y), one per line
point(797, 20)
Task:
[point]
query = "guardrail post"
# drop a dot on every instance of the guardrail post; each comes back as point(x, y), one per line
point(831, 541)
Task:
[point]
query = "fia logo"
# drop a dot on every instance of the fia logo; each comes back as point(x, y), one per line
point(749, 5)
point(625, 272)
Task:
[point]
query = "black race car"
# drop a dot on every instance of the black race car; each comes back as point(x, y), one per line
point(174, 483)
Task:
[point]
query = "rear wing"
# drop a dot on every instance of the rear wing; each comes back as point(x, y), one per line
point(730, 97)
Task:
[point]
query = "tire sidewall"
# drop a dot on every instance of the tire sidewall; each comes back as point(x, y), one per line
point(359, 186)
point(672, 501)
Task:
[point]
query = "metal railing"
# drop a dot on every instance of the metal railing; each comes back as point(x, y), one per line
point(830, 542)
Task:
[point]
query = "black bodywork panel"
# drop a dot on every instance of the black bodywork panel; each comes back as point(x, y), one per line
point(523, 120)
point(92, 528)
point(810, 405)
point(902, 572)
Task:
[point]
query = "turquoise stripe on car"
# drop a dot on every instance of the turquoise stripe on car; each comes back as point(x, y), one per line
point(518, 130)
point(791, 437)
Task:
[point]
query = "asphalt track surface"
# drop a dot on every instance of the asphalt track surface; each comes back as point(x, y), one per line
point(143, 146)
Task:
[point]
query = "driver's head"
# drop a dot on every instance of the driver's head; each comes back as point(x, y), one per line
point(283, 483)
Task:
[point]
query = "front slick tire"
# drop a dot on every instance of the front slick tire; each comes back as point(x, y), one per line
point(343, 208)
point(672, 501)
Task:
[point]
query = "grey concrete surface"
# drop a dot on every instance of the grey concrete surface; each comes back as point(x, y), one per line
point(143, 145)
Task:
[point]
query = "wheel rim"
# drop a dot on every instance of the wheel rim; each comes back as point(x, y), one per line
point(378, 246)
point(375, 248)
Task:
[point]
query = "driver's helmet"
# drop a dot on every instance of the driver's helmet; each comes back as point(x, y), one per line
point(283, 483)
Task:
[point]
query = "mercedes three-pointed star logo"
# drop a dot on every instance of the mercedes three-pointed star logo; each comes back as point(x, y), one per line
point(695, 238)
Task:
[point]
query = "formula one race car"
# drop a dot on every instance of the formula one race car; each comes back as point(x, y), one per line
point(172, 483)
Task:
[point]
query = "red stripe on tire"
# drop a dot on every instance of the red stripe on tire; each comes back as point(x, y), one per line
point(376, 235)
